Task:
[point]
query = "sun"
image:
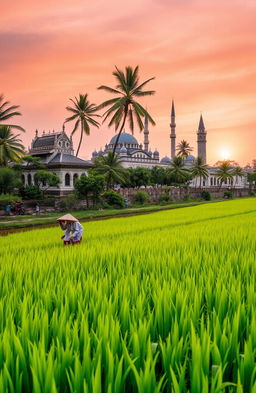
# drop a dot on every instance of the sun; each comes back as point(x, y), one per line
point(225, 153)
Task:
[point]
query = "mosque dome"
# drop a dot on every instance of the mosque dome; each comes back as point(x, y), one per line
point(165, 160)
point(124, 139)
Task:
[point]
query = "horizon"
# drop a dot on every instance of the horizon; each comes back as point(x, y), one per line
point(201, 55)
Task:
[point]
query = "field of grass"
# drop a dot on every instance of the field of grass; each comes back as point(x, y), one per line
point(156, 303)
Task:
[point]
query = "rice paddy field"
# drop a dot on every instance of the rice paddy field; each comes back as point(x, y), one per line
point(164, 302)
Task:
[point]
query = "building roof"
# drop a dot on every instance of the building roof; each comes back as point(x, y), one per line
point(68, 159)
point(45, 140)
point(165, 159)
point(201, 126)
point(124, 138)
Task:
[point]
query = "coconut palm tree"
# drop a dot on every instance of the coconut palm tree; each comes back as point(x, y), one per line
point(199, 169)
point(83, 113)
point(237, 172)
point(184, 149)
point(224, 172)
point(6, 112)
point(110, 166)
point(11, 148)
point(125, 106)
point(177, 170)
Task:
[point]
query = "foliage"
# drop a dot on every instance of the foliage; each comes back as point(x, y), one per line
point(139, 177)
point(178, 172)
point(158, 175)
point(114, 199)
point(206, 195)
point(31, 191)
point(110, 166)
point(164, 197)
point(224, 172)
point(83, 113)
point(33, 161)
point(228, 195)
point(11, 148)
point(9, 179)
point(68, 202)
point(184, 149)
point(90, 187)
point(124, 106)
point(141, 197)
point(163, 302)
point(199, 169)
point(8, 198)
point(6, 112)
point(251, 178)
point(45, 179)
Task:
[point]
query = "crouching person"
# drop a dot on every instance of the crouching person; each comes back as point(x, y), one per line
point(73, 229)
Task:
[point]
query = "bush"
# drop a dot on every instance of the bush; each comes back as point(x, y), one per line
point(164, 197)
point(113, 199)
point(5, 198)
point(141, 197)
point(31, 192)
point(68, 202)
point(228, 195)
point(206, 195)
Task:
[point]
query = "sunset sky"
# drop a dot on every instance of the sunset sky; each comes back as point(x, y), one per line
point(201, 52)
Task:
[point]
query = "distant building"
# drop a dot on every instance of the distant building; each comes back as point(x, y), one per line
point(55, 150)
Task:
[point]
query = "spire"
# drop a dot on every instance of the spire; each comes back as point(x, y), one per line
point(201, 126)
point(173, 110)
point(146, 132)
point(63, 127)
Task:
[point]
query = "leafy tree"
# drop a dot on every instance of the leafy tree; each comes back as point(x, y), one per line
point(237, 172)
point(11, 148)
point(251, 177)
point(199, 169)
point(158, 175)
point(110, 166)
point(31, 191)
point(9, 179)
point(6, 112)
point(139, 177)
point(124, 106)
point(177, 171)
point(184, 149)
point(45, 179)
point(90, 186)
point(224, 172)
point(33, 161)
point(83, 114)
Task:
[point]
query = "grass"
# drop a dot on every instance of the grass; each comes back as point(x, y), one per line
point(30, 221)
point(162, 302)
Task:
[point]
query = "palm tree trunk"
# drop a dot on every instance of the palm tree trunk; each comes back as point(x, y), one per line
point(81, 137)
point(121, 129)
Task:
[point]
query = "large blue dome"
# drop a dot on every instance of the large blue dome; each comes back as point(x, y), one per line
point(124, 138)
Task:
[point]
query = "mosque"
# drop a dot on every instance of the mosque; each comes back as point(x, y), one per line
point(134, 154)
point(55, 150)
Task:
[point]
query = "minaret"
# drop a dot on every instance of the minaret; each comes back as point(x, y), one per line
point(173, 135)
point(146, 132)
point(201, 140)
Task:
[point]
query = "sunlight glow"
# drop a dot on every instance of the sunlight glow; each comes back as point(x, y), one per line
point(225, 154)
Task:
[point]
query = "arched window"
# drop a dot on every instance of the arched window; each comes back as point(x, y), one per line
point(67, 179)
point(215, 181)
point(23, 179)
point(75, 177)
point(29, 179)
point(203, 182)
point(211, 181)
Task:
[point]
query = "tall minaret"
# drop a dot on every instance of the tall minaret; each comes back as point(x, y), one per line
point(173, 135)
point(201, 140)
point(146, 132)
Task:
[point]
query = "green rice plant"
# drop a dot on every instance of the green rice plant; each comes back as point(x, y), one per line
point(158, 303)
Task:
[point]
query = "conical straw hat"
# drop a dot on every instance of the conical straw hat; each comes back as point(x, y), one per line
point(67, 217)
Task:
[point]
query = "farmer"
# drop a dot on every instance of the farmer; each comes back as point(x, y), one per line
point(73, 229)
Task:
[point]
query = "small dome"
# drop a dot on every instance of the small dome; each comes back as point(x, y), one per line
point(190, 158)
point(124, 138)
point(94, 154)
point(123, 150)
point(166, 159)
point(156, 153)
